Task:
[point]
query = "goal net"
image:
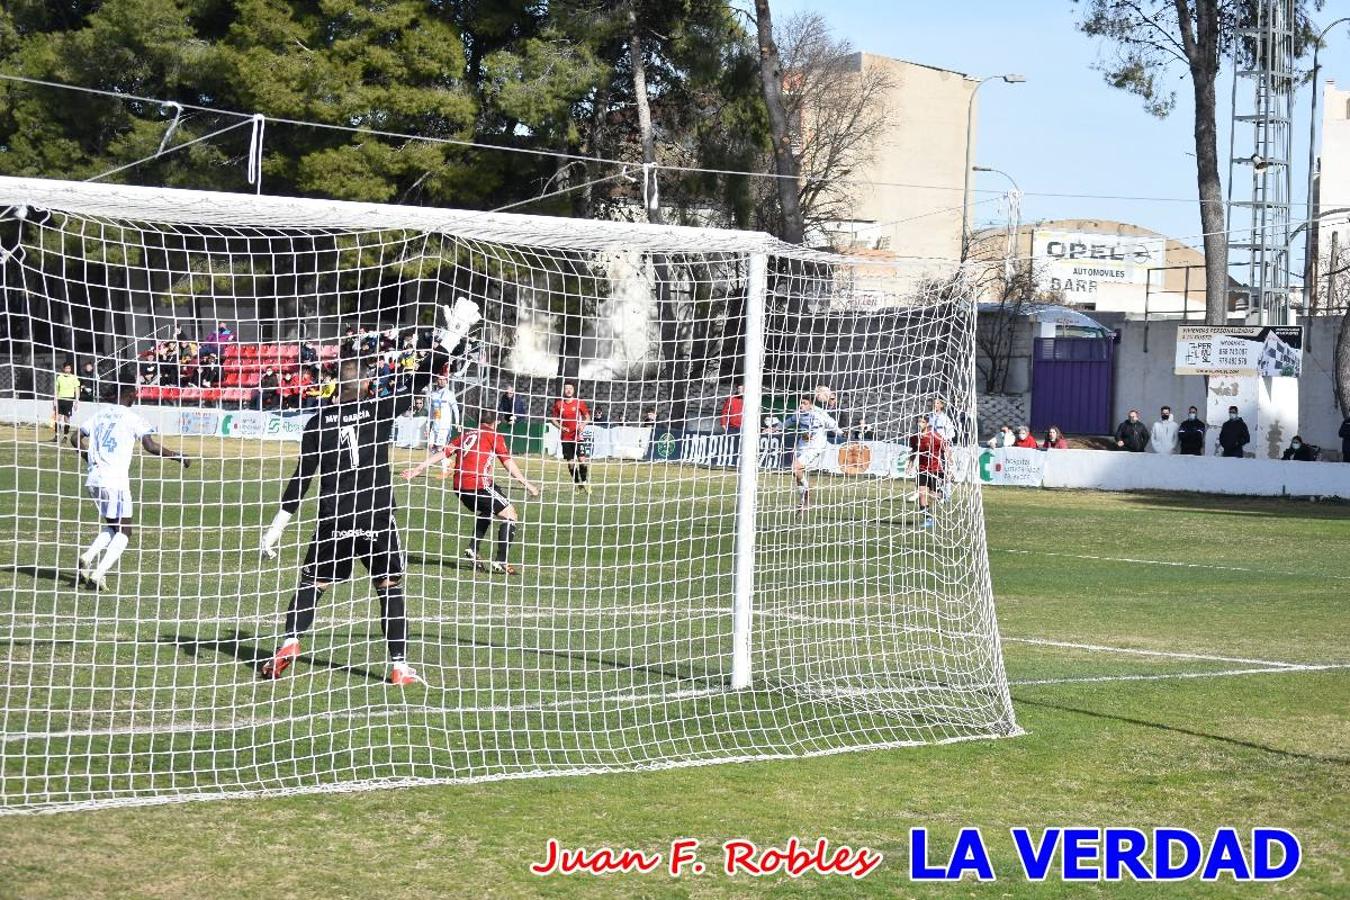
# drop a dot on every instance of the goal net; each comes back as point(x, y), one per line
point(746, 544)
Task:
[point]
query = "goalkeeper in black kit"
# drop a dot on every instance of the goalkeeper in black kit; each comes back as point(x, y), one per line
point(346, 445)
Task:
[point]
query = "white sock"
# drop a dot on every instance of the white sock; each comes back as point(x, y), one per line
point(95, 548)
point(115, 548)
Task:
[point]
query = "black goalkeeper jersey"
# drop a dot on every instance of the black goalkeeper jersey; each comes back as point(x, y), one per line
point(347, 446)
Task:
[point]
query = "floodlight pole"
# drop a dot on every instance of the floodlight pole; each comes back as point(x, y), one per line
point(743, 572)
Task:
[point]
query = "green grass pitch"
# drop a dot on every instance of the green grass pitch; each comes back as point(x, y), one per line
point(1176, 660)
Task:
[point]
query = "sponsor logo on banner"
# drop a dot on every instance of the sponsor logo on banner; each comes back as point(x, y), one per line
point(195, 421)
point(1018, 466)
point(1238, 351)
point(261, 425)
point(854, 459)
point(665, 446)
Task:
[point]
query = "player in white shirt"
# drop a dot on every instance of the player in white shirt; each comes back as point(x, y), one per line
point(442, 417)
point(107, 442)
point(813, 426)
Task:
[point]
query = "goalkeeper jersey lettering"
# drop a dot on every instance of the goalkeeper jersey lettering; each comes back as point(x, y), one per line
point(476, 451)
point(347, 446)
point(113, 435)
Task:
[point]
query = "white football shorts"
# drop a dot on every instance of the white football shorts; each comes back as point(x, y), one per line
point(112, 503)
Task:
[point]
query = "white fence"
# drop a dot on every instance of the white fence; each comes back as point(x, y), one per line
point(1104, 470)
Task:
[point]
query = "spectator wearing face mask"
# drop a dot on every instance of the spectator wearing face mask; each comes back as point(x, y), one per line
point(1191, 434)
point(1163, 435)
point(1298, 450)
point(1234, 436)
point(1004, 437)
point(1132, 434)
point(1024, 438)
point(1054, 439)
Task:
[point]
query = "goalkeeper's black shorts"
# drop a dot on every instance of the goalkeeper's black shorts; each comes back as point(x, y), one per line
point(338, 542)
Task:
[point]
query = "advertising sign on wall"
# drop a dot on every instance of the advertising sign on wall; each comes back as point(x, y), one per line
point(1238, 350)
point(1081, 265)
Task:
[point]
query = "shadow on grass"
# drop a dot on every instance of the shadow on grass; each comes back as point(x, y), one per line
point(1175, 729)
point(46, 573)
point(253, 656)
point(1243, 507)
point(608, 661)
point(443, 562)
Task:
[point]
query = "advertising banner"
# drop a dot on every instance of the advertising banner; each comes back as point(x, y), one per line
point(1020, 466)
point(1082, 265)
point(1240, 351)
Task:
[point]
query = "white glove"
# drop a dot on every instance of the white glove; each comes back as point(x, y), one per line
point(459, 321)
point(272, 536)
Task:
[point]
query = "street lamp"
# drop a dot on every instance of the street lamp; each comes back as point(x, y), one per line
point(1014, 219)
point(965, 173)
point(1309, 248)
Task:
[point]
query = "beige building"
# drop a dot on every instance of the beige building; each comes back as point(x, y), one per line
point(1104, 266)
point(1333, 194)
point(907, 197)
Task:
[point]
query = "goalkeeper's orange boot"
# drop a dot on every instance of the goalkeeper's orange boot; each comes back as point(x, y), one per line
point(403, 675)
point(282, 659)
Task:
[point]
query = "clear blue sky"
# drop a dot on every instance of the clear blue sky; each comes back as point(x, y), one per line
point(1065, 130)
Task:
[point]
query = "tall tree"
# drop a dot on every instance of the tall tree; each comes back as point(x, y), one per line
point(837, 104)
point(1151, 36)
point(785, 162)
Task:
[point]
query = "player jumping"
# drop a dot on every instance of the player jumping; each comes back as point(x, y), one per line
point(475, 451)
point(346, 444)
point(813, 426)
point(107, 442)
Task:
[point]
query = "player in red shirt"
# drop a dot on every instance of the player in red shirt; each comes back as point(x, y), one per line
point(930, 450)
point(475, 451)
point(733, 410)
point(570, 414)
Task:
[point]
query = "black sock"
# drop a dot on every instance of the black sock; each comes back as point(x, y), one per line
point(504, 533)
point(576, 473)
point(300, 614)
point(393, 620)
point(585, 472)
point(480, 530)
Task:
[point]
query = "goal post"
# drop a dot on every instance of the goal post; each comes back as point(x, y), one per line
point(743, 546)
point(748, 474)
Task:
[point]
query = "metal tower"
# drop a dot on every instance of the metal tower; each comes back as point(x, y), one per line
point(1258, 223)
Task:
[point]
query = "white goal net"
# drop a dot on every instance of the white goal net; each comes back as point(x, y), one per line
point(757, 532)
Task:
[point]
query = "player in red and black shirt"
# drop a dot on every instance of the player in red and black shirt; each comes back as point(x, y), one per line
point(476, 451)
point(570, 414)
point(930, 452)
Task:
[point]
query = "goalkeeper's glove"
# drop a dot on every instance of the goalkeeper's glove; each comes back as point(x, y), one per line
point(272, 536)
point(459, 321)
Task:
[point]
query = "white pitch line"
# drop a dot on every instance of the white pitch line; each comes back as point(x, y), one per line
point(1097, 679)
point(1100, 648)
point(1172, 564)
